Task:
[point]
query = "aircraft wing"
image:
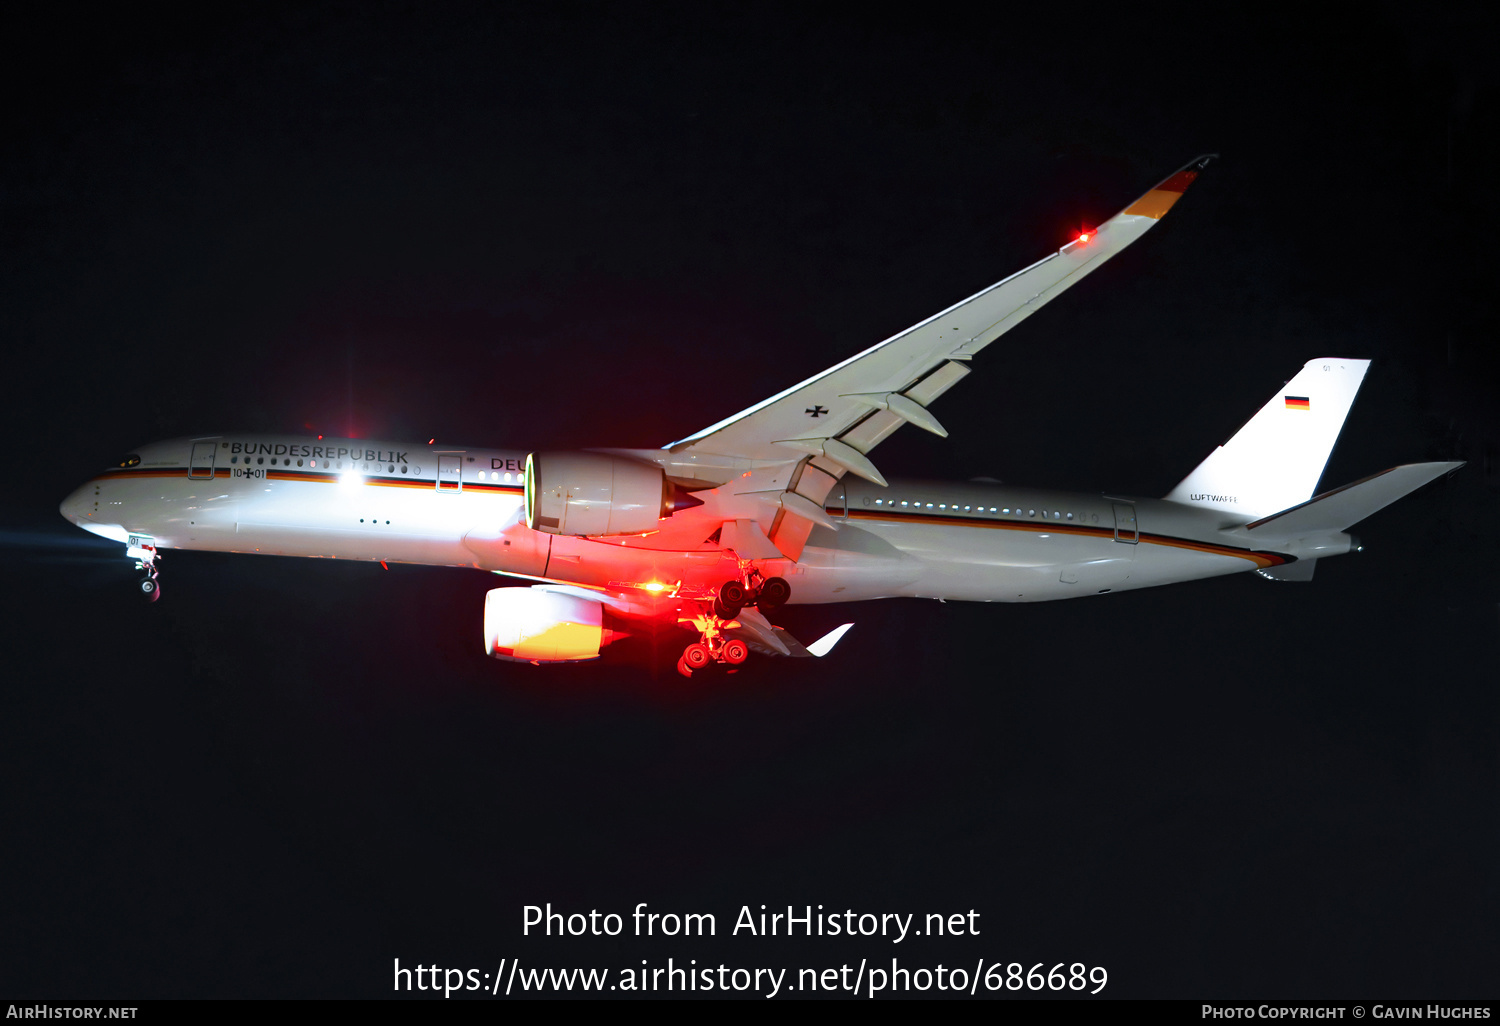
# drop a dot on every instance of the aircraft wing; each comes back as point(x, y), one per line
point(848, 409)
point(764, 637)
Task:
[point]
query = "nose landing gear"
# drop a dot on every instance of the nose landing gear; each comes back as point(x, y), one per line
point(143, 551)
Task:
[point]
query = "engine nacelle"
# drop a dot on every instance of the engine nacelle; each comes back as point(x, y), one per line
point(591, 494)
point(535, 625)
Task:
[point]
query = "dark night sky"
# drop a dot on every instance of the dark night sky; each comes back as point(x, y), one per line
point(561, 226)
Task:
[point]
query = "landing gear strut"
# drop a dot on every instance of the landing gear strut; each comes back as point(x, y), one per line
point(143, 551)
point(712, 646)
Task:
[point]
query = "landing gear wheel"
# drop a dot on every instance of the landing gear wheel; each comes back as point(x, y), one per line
point(150, 589)
point(774, 594)
point(733, 595)
point(735, 651)
point(696, 656)
point(723, 612)
point(682, 668)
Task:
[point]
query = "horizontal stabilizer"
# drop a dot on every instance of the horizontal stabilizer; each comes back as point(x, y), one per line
point(1344, 507)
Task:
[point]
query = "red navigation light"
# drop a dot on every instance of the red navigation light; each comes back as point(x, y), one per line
point(1084, 236)
point(431, 440)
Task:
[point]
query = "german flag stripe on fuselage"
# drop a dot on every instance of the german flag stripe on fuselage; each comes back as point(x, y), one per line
point(319, 477)
point(155, 472)
point(1260, 559)
point(425, 484)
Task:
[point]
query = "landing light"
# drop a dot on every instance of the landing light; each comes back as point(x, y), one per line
point(655, 586)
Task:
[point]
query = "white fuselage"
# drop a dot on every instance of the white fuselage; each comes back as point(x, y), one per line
point(450, 506)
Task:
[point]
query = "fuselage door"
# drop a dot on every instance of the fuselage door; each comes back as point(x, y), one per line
point(1125, 528)
point(201, 466)
point(450, 473)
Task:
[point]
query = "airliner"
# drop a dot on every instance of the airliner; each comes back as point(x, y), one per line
point(780, 503)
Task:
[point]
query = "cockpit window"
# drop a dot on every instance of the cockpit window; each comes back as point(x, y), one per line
point(130, 461)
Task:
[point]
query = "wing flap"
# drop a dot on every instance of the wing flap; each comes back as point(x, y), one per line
point(746, 540)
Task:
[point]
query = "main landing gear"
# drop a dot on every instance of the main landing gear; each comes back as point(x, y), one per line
point(143, 551)
point(712, 646)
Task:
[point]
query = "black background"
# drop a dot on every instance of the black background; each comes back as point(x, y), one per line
point(564, 225)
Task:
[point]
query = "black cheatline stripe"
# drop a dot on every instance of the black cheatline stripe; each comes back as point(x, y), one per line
point(1053, 527)
point(305, 476)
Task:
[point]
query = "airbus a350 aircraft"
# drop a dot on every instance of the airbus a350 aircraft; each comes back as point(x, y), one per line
point(778, 503)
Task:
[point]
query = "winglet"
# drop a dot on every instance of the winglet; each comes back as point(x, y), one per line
point(825, 644)
point(1160, 198)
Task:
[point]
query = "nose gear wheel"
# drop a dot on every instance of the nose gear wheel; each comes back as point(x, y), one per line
point(144, 551)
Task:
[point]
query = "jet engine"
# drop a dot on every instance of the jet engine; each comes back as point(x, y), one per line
point(591, 494)
point(539, 625)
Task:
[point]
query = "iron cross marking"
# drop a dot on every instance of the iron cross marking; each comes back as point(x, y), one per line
point(816, 411)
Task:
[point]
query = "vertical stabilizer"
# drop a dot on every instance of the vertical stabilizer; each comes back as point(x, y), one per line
point(1275, 460)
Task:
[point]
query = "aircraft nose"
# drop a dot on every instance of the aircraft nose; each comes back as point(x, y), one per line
point(78, 506)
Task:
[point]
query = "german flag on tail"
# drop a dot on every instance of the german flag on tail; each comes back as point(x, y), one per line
point(1297, 402)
